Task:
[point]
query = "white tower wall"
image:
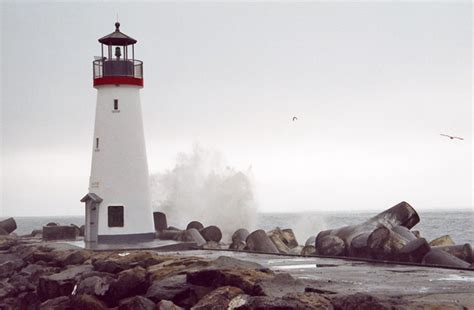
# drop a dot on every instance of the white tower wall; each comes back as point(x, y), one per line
point(119, 173)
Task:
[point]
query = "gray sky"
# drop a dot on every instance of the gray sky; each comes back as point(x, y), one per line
point(373, 85)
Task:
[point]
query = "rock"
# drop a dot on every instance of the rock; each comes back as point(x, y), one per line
point(385, 244)
point(89, 302)
point(159, 218)
point(359, 247)
point(461, 251)
point(192, 234)
point(211, 233)
point(59, 233)
point(21, 284)
point(37, 232)
point(28, 301)
point(211, 245)
point(129, 282)
point(177, 265)
point(308, 250)
point(358, 302)
point(278, 286)
point(404, 232)
point(76, 257)
point(177, 290)
point(416, 233)
point(58, 303)
point(226, 262)
point(258, 241)
point(240, 235)
point(3, 232)
point(237, 245)
point(167, 305)
point(298, 301)
point(330, 245)
point(442, 241)
point(218, 298)
point(115, 262)
point(289, 238)
point(311, 241)
point(277, 238)
point(78, 230)
point(136, 303)
point(243, 278)
point(60, 284)
point(34, 271)
point(195, 224)
point(6, 242)
point(6, 289)
point(94, 285)
point(10, 267)
point(169, 234)
point(441, 258)
point(82, 230)
point(414, 251)
point(8, 225)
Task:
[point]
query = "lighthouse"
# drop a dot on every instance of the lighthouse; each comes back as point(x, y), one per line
point(118, 204)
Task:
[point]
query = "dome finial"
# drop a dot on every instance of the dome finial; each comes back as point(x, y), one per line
point(117, 26)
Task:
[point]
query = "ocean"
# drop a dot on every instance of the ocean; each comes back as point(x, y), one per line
point(433, 224)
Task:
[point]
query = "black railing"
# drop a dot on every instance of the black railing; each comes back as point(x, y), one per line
point(132, 68)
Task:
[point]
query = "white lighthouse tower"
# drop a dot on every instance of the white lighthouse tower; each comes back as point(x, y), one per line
point(118, 205)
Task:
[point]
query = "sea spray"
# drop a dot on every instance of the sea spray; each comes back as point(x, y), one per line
point(201, 187)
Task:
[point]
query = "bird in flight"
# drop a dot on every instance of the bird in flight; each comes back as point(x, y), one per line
point(294, 118)
point(451, 137)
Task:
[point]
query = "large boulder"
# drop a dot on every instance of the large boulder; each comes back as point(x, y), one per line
point(8, 225)
point(218, 298)
point(136, 303)
point(94, 285)
point(89, 302)
point(10, 267)
point(445, 240)
point(211, 233)
point(76, 257)
point(58, 303)
point(243, 278)
point(159, 218)
point(439, 257)
point(167, 305)
point(192, 234)
point(258, 241)
point(294, 301)
point(175, 266)
point(195, 224)
point(60, 284)
point(128, 283)
point(177, 290)
point(59, 233)
point(117, 262)
point(279, 286)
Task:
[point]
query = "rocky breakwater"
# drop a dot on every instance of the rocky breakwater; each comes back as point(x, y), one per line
point(39, 275)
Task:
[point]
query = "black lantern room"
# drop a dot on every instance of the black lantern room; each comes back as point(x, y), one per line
point(118, 65)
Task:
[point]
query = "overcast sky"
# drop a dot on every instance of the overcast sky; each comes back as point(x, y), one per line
point(373, 85)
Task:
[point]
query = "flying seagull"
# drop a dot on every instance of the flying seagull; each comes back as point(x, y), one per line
point(294, 118)
point(451, 137)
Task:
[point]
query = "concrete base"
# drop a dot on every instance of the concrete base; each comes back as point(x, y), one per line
point(131, 238)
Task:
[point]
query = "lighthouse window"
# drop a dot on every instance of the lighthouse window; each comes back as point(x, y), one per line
point(115, 216)
point(96, 143)
point(115, 104)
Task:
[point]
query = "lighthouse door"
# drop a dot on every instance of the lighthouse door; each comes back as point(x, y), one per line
point(93, 221)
